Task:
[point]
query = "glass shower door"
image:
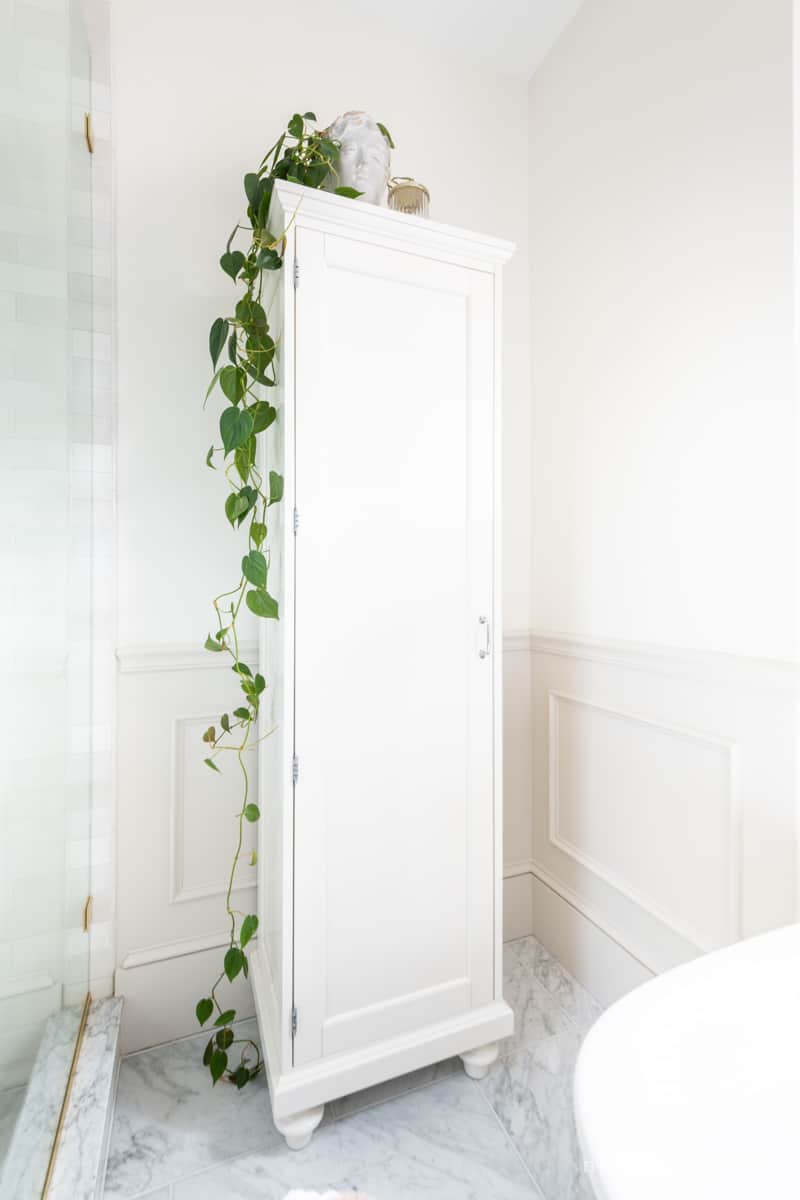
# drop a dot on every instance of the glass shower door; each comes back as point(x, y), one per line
point(46, 557)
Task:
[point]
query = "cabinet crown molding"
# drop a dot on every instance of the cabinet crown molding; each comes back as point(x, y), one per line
point(417, 233)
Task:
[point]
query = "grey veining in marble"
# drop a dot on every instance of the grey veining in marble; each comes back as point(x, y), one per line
point(537, 1015)
point(80, 1162)
point(527, 959)
point(170, 1122)
point(11, 1101)
point(531, 1092)
point(25, 1166)
point(441, 1141)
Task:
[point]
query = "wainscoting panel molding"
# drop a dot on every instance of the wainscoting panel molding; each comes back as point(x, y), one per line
point(699, 747)
point(202, 823)
point(663, 802)
point(611, 771)
point(177, 838)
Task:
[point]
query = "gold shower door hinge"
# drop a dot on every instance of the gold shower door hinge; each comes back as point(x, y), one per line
point(87, 914)
point(88, 132)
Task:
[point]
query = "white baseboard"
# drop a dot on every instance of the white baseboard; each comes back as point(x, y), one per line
point(604, 967)
point(517, 902)
point(160, 997)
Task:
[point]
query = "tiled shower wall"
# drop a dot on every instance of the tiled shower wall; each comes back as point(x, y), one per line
point(56, 521)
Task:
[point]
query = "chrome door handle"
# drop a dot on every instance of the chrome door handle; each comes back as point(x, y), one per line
point(485, 649)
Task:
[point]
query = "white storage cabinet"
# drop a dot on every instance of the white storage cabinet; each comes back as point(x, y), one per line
point(379, 947)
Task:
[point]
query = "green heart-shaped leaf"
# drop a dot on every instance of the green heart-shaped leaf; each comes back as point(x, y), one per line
point(233, 382)
point(254, 568)
point(244, 457)
point(216, 338)
point(263, 415)
point(269, 260)
point(249, 926)
point(275, 487)
point(262, 604)
point(251, 187)
point(252, 812)
point(235, 427)
point(316, 174)
point(233, 962)
point(217, 1065)
point(204, 1009)
point(235, 505)
point(250, 313)
point(232, 262)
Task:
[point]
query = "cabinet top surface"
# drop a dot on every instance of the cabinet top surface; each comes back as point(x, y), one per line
point(299, 204)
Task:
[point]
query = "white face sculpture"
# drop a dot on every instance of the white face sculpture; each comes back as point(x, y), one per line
point(363, 157)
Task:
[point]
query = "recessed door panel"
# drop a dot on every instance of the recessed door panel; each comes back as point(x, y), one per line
point(393, 701)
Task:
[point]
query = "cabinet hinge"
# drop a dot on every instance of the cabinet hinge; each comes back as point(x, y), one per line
point(294, 1022)
point(296, 274)
point(295, 768)
point(296, 520)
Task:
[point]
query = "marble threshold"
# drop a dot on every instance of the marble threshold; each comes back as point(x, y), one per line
point(79, 1167)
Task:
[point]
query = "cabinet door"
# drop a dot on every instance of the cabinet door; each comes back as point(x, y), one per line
point(394, 896)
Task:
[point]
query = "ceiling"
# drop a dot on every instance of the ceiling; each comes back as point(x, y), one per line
point(510, 37)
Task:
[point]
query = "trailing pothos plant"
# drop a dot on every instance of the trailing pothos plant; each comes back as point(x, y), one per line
point(306, 155)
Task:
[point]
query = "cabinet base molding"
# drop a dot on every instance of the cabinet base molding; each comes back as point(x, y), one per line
point(477, 1062)
point(298, 1130)
point(296, 1091)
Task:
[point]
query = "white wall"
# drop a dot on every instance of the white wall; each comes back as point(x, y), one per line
point(664, 472)
point(198, 100)
point(661, 277)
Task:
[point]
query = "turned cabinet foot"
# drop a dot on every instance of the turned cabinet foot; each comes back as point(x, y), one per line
point(477, 1062)
point(298, 1129)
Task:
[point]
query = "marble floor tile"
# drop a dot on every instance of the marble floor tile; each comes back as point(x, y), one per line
point(441, 1142)
point(433, 1134)
point(382, 1092)
point(526, 957)
point(170, 1122)
point(531, 1092)
point(537, 1015)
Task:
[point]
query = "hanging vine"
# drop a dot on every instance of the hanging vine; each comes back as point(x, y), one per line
point(305, 155)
